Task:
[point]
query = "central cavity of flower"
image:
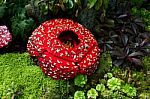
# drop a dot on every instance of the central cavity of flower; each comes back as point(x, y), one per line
point(69, 39)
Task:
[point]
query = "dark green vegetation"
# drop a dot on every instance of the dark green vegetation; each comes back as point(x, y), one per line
point(121, 27)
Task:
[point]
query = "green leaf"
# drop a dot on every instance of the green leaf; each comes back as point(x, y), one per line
point(79, 95)
point(65, 1)
point(78, 2)
point(109, 75)
point(92, 93)
point(114, 83)
point(134, 10)
point(136, 54)
point(2, 11)
point(91, 3)
point(100, 87)
point(129, 90)
point(144, 95)
point(105, 3)
point(98, 4)
point(36, 3)
point(147, 28)
point(106, 94)
point(70, 4)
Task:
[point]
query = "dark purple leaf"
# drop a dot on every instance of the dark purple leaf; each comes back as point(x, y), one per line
point(134, 27)
point(121, 57)
point(134, 45)
point(143, 43)
point(110, 42)
point(128, 30)
point(116, 53)
point(125, 39)
point(127, 50)
point(148, 44)
point(120, 21)
point(114, 36)
point(136, 61)
point(138, 20)
point(109, 46)
point(136, 54)
point(141, 24)
point(117, 62)
point(145, 51)
point(123, 16)
point(144, 35)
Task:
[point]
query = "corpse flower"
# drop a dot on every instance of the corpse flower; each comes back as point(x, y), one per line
point(5, 36)
point(64, 49)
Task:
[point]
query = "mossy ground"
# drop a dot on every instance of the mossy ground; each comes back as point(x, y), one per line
point(22, 79)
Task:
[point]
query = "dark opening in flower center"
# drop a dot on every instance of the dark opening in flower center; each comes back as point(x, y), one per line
point(69, 39)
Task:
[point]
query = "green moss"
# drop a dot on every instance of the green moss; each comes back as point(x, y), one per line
point(105, 63)
point(146, 61)
point(19, 77)
point(146, 83)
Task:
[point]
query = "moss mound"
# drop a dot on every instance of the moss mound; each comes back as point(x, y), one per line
point(20, 78)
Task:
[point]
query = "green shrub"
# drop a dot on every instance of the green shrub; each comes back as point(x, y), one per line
point(114, 83)
point(22, 26)
point(80, 80)
point(79, 95)
point(92, 93)
point(144, 14)
point(20, 78)
point(2, 8)
point(100, 87)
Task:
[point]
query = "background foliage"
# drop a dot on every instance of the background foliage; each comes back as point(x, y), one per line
point(121, 27)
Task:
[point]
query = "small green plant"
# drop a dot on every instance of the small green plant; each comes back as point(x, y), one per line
point(100, 87)
point(140, 79)
point(108, 75)
point(117, 88)
point(144, 95)
point(80, 80)
point(92, 93)
point(129, 90)
point(79, 95)
point(114, 83)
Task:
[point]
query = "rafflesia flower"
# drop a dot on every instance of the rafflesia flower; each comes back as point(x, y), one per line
point(64, 49)
point(5, 36)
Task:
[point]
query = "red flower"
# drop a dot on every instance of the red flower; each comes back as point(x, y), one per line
point(5, 36)
point(64, 49)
